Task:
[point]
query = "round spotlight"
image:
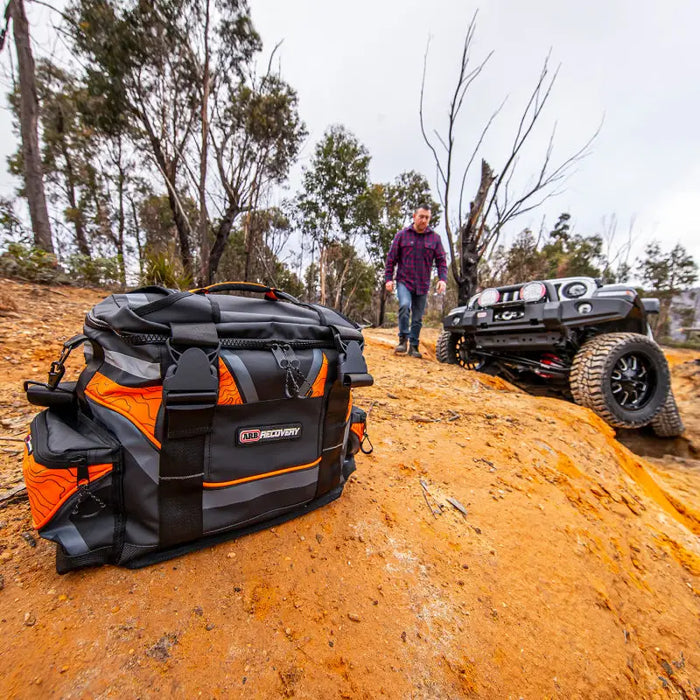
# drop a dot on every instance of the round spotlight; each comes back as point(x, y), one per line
point(489, 297)
point(533, 291)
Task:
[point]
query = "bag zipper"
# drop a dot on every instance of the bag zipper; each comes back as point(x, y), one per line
point(228, 343)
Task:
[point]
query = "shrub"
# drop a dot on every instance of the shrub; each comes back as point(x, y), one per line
point(94, 271)
point(31, 265)
point(159, 269)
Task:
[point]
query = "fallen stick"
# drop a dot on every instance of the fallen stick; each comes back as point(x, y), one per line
point(457, 505)
point(19, 493)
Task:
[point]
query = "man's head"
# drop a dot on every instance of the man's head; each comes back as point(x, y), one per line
point(421, 218)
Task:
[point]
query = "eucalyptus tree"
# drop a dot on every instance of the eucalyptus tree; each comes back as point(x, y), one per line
point(333, 202)
point(28, 111)
point(181, 72)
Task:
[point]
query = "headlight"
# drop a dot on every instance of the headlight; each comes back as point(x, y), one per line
point(533, 291)
point(489, 297)
point(574, 290)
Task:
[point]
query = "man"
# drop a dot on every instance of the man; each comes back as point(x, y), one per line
point(412, 254)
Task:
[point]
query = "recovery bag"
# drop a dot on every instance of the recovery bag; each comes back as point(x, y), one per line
point(199, 417)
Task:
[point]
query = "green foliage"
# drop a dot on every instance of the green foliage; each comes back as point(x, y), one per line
point(12, 230)
point(667, 272)
point(352, 281)
point(334, 187)
point(31, 264)
point(252, 253)
point(565, 254)
point(95, 271)
point(161, 269)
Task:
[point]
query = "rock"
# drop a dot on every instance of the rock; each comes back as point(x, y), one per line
point(354, 617)
point(29, 619)
point(319, 538)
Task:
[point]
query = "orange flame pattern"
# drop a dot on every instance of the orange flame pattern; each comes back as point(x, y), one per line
point(228, 391)
point(137, 404)
point(49, 489)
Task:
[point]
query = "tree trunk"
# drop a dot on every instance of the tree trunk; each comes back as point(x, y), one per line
point(222, 234)
point(204, 243)
point(168, 169)
point(121, 221)
point(29, 122)
point(382, 305)
point(80, 237)
point(322, 272)
point(470, 234)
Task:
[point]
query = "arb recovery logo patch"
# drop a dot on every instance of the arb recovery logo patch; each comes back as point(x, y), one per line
point(256, 435)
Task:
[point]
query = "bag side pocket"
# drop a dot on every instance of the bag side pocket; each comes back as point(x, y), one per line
point(71, 470)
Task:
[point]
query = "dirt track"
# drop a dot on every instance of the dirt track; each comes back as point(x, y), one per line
point(576, 572)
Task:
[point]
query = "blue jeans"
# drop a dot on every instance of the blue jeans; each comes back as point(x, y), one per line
point(411, 306)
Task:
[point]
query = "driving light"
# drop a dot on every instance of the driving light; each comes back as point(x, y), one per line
point(533, 291)
point(585, 308)
point(489, 297)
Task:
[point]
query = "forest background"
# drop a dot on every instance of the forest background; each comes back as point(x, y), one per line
point(164, 143)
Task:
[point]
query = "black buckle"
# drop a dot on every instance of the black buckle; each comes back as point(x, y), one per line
point(352, 367)
point(192, 382)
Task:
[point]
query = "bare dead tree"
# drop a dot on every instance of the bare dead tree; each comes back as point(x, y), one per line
point(472, 233)
point(29, 126)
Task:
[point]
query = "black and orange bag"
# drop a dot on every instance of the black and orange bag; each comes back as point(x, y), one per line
point(199, 416)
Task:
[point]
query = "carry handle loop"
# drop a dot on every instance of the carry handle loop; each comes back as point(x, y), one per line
point(269, 292)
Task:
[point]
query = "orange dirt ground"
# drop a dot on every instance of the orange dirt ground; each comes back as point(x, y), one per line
point(575, 573)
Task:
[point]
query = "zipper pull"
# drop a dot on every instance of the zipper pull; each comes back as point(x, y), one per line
point(288, 361)
point(84, 493)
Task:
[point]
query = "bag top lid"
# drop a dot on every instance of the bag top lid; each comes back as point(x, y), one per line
point(278, 316)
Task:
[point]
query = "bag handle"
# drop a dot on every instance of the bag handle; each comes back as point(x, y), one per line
point(269, 292)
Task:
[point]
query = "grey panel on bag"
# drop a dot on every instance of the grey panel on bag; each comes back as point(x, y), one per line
point(131, 438)
point(136, 299)
point(140, 482)
point(262, 501)
point(64, 531)
point(62, 438)
point(215, 498)
point(242, 375)
point(133, 365)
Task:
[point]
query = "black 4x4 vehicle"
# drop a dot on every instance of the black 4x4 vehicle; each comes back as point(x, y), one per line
point(572, 337)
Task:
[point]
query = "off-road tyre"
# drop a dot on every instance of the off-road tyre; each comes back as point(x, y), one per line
point(668, 422)
point(451, 348)
point(623, 377)
point(446, 348)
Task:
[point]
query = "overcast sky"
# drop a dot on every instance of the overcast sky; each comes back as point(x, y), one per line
point(632, 63)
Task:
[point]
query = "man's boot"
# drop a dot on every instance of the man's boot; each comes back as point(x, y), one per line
point(414, 352)
point(402, 347)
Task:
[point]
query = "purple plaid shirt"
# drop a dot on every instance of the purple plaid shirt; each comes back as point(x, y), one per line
point(413, 254)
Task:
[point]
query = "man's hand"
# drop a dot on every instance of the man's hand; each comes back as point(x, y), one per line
point(389, 286)
point(441, 287)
